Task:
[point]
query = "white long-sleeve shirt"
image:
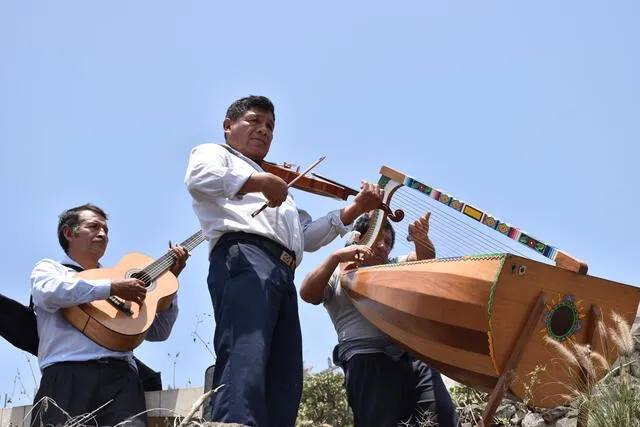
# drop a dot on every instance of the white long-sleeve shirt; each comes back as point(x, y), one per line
point(215, 176)
point(53, 288)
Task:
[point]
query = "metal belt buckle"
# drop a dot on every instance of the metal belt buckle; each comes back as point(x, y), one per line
point(286, 258)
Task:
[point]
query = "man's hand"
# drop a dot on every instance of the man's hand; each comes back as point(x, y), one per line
point(369, 198)
point(273, 187)
point(180, 255)
point(419, 229)
point(129, 289)
point(360, 254)
point(419, 233)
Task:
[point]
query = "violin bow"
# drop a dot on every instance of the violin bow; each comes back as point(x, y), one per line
point(253, 215)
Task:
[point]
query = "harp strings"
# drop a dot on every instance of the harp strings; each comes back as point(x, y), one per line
point(452, 233)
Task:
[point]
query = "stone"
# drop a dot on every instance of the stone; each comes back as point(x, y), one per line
point(533, 420)
point(517, 418)
point(551, 415)
point(573, 413)
point(505, 412)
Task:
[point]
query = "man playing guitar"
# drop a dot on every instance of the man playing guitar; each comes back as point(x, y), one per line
point(78, 374)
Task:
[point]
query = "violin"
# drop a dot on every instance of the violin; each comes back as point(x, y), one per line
point(320, 185)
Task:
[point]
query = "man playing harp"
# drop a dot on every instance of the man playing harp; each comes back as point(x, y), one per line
point(384, 384)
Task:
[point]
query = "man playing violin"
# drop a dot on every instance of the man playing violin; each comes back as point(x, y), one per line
point(385, 385)
point(257, 335)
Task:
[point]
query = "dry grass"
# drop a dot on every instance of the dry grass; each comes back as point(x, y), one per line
point(89, 419)
point(613, 401)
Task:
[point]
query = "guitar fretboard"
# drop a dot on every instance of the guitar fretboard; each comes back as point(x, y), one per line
point(162, 264)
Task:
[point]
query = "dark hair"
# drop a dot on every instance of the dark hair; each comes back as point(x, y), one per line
point(242, 105)
point(362, 225)
point(71, 219)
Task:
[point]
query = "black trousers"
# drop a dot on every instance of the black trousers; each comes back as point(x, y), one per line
point(257, 337)
point(80, 388)
point(383, 392)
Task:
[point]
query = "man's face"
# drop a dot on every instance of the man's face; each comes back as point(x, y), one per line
point(90, 236)
point(251, 134)
point(382, 248)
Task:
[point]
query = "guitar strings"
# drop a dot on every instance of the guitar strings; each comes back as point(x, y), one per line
point(159, 266)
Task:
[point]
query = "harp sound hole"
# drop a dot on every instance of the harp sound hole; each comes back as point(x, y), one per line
point(563, 320)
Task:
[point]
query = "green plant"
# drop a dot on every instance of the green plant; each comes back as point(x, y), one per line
point(463, 396)
point(469, 403)
point(324, 400)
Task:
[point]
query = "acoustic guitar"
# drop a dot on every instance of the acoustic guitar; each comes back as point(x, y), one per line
point(121, 325)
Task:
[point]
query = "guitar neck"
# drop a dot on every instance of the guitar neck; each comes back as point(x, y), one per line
point(162, 264)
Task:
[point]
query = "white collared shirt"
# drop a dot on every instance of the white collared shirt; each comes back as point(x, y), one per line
point(53, 287)
point(215, 176)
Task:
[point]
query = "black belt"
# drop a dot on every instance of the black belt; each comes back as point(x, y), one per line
point(286, 256)
point(113, 361)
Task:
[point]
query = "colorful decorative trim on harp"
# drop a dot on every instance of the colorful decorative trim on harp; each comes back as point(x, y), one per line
point(391, 180)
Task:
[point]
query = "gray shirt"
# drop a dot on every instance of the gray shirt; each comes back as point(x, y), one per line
point(356, 335)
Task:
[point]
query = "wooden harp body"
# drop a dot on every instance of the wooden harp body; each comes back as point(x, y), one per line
point(464, 315)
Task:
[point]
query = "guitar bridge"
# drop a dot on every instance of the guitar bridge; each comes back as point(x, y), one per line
point(120, 305)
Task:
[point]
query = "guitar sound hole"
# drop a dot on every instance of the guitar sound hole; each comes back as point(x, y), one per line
point(142, 276)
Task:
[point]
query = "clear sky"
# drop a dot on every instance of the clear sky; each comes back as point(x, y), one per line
point(529, 110)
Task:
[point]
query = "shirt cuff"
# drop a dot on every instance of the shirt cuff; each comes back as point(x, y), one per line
point(102, 288)
point(236, 179)
point(336, 223)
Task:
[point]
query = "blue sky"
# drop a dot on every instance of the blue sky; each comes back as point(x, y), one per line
point(528, 110)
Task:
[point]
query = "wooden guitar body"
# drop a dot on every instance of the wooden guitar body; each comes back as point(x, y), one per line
point(123, 329)
point(465, 315)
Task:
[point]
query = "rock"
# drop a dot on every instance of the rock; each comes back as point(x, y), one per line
point(551, 415)
point(505, 412)
point(517, 418)
point(567, 422)
point(533, 420)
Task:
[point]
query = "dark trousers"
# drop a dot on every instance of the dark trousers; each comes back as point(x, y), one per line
point(257, 337)
point(80, 388)
point(383, 392)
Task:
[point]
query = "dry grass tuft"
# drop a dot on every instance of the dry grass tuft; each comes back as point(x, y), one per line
point(615, 400)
